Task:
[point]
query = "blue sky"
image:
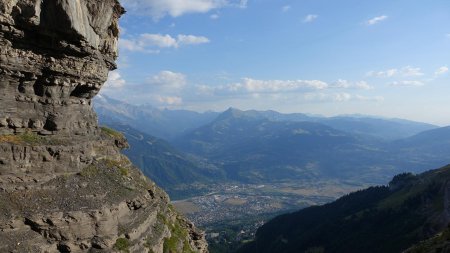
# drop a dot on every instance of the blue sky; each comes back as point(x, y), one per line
point(386, 57)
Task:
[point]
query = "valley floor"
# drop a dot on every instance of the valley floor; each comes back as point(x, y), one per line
point(231, 213)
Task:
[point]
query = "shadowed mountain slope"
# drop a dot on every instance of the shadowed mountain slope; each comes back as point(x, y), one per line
point(379, 219)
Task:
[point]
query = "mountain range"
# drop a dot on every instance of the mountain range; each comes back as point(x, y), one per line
point(168, 124)
point(165, 124)
point(267, 146)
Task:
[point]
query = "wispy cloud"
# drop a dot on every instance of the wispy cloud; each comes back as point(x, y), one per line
point(376, 20)
point(191, 40)
point(249, 85)
point(151, 43)
point(286, 8)
point(408, 83)
point(214, 16)
point(165, 88)
point(158, 9)
point(407, 71)
point(382, 74)
point(253, 86)
point(168, 80)
point(173, 89)
point(345, 84)
point(440, 71)
point(340, 97)
point(310, 18)
point(241, 4)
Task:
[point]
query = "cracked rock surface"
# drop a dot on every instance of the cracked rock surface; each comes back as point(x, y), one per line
point(64, 185)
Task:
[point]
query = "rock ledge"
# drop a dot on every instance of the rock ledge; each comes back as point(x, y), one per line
point(64, 185)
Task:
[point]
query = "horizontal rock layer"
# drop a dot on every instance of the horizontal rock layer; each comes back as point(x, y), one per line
point(64, 185)
point(54, 57)
point(105, 205)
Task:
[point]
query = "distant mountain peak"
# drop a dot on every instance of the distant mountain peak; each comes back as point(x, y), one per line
point(230, 113)
point(237, 114)
point(233, 110)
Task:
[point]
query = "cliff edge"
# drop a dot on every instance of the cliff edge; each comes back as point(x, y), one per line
point(64, 185)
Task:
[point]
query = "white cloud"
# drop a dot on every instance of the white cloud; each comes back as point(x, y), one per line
point(440, 71)
point(365, 98)
point(344, 84)
point(407, 83)
point(407, 71)
point(151, 43)
point(341, 97)
point(158, 40)
point(168, 80)
point(115, 81)
point(286, 8)
point(382, 74)
point(310, 18)
point(130, 45)
point(376, 20)
point(268, 86)
point(241, 4)
point(165, 88)
point(411, 71)
point(253, 86)
point(191, 40)
point(158, 9)
point(214, 16)
point(391, 72)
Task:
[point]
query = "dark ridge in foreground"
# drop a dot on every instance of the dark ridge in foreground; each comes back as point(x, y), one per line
point(390, 218)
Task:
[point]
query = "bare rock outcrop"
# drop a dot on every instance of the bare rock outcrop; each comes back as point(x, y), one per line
point(55, 56)
point(64, 185)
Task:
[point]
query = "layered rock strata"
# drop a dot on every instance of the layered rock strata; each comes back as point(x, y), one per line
point(55, 55)
point(64, 185)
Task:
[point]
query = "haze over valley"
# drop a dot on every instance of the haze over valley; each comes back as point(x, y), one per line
point(231, 171)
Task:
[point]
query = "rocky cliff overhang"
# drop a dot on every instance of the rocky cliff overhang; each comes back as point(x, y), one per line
point(64, 185)
point(54, 58)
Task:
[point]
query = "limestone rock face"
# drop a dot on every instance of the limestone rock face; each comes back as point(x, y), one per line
point(64, 185)
point(55, 56)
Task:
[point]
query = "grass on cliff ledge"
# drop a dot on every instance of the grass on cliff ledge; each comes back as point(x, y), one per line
point(120, 165)
point(33, 139)
point(122, 244)
point(112, 133)
point(24, 138)
point(177, 240)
